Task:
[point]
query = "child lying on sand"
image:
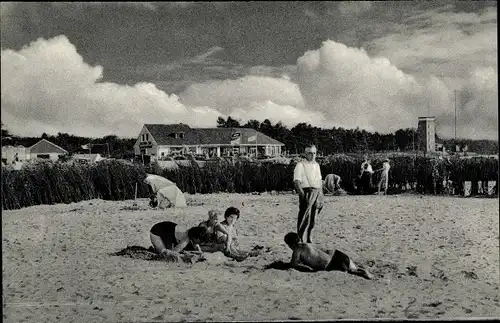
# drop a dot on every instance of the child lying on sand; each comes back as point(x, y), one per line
point(306, 257)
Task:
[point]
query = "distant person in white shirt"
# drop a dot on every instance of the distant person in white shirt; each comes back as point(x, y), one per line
point(309, 185)
point(366, 176)
point(384, 179)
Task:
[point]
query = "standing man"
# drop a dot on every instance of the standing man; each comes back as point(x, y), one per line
point(384, 178)
point(309, 185)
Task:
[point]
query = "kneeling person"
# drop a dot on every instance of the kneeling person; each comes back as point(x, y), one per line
point(168, 236)
point(307, 257)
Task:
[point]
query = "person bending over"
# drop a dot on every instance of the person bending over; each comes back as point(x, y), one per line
point(168, 236)
point(331, 184)
point(309, 258)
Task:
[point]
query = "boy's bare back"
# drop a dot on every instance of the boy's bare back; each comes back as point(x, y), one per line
point(311, 256)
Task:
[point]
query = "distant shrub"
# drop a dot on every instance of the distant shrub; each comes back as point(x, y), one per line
point(48, 182)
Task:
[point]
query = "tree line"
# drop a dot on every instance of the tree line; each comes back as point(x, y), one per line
point(341, 140)
point(328, 141)
point(117, 147)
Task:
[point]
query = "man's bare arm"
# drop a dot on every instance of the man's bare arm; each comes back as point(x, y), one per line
point(181, 246)
point(298, 187)
point(228, 233)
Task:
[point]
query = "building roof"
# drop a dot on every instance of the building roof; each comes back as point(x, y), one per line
point(46, 147)
point(426, 118)
point(162, 134)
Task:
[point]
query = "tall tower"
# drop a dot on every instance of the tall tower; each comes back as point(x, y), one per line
point(426, 134)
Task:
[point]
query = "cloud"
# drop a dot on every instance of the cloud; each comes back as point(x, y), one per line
point(348, 8)
point(47, 86)
point(150, 5)
point(352, 89)
point(79, 5)
point(442, 42)
point(241, 93)
point(477, 106)
point(288, 115)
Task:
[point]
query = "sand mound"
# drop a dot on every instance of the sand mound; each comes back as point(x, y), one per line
point(138, 252)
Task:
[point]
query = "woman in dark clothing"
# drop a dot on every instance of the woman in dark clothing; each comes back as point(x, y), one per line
point(366, 177)
point(169, 236)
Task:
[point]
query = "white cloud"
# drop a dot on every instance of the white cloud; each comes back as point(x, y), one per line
point(477, 106)
point(354, 7)
point(352, 89)
point(452, 44)
point(47, 87)
point(288, 115)
point(78, 5)
point(241, 93)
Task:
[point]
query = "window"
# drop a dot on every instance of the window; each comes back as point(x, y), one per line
point(142, 138)
point(43, 156)
point(147, 137)
point(162, 154)
point(181, 135)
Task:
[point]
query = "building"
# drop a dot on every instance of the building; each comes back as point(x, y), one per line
point(159, 140)
point(45, 149)
point(12, 154)
point(426, 134)
point(87, 158)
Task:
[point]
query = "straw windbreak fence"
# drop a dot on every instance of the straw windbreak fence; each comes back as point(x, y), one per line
point(49, 183)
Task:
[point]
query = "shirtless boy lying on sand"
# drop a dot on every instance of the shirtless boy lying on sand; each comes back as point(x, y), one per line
point(309, 258)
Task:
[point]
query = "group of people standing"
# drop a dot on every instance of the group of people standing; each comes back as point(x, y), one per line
point(365, 178)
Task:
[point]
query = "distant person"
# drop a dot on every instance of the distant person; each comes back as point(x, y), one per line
point(168, 236)
point(309, 185)
point(366, 176)
point(331, 183)
point(307, 257)
point(384, 177)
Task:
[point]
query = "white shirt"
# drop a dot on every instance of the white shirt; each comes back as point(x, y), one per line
point(368, 169)
point(309, 174)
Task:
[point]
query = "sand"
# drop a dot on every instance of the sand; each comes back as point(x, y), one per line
point(433, 257)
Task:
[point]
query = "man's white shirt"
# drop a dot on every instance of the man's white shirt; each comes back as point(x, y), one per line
point(309, 174)
point(368, 169)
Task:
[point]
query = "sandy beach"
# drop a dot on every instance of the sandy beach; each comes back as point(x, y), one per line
point(432, 257)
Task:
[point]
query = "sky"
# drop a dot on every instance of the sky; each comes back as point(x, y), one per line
point(100, 68)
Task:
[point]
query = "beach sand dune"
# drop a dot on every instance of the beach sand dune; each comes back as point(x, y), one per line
point(433, 257)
